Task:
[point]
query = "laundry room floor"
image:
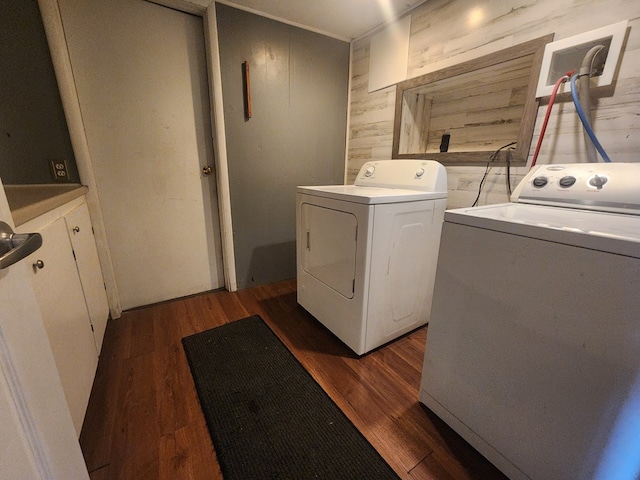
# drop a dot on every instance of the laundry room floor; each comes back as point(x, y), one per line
point(144, 419)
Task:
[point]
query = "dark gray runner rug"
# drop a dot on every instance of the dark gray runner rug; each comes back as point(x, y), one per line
point(267, 416)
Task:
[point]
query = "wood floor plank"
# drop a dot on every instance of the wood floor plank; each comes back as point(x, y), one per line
point(136, 432)
point(144, 419)
point(176, 399)
point(231, 306)
point(202, 313)
point(142, 327)
point(375, 402)
point(167, 320)
point(184, 455)
point(100, 474)
point(102, 410)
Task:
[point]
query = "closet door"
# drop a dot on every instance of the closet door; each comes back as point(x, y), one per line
point(140, 70)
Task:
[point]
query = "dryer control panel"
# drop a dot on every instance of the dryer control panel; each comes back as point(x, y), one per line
point(610, 187)
point(423, 175)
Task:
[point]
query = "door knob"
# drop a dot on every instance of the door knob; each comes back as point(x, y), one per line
point(16, 246)
point(206, 170)
point(39, 264)
point(76, 229)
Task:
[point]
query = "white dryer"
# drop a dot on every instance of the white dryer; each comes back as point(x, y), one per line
point(366, 253)
point(533, 349)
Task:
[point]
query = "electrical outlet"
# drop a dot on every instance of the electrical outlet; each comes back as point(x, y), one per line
point(59, 170)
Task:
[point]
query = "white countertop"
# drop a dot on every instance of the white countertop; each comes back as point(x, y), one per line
point(30, 201)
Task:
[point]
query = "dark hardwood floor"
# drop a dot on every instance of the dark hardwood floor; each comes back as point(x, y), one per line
point(144, 420)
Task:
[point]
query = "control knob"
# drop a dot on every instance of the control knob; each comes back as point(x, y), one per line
point(597, 181)
point(567, 181)
point(540, 181)
point(369, 171)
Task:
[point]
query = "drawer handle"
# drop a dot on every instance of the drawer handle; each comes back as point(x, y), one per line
point(76, 229)
point(39, 264)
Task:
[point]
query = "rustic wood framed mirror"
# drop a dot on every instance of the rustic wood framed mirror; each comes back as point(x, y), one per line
point(462, 114)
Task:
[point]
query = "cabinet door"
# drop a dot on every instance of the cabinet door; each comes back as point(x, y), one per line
point(65, 317)
point(84, 246)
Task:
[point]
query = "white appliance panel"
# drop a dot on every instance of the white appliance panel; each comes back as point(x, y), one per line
point(403, 266)
point(369, 195)
point(423, 175)
point(610, 187)
point(532, 351)
point(329, 250)
point(344, 316)
point(610, 232)
point(396, 207)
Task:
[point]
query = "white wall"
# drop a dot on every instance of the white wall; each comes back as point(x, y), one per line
point(442, 35)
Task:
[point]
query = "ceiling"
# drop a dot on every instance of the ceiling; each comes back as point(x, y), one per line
point(343, 19)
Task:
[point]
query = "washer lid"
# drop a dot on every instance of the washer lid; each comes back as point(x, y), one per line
point(369, 195)
point(609, 232)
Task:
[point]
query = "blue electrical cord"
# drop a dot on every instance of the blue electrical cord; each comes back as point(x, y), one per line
point(585, 121)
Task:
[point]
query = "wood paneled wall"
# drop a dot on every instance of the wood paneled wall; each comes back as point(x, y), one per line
point(444, 33)
point(481, 110)
point(296, 135)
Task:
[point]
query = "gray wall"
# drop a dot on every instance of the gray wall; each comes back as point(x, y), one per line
point(296, 136)
point(33, 129)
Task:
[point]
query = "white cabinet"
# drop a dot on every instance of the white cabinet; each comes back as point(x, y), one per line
point(68, 283)
point(86, 255)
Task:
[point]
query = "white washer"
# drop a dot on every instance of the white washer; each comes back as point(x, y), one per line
point(533, 348)
point(366, 253)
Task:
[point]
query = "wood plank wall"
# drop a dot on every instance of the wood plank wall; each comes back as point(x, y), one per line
point(480, 110)
point(441, 36)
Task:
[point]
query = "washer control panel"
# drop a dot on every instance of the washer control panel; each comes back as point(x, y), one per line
point(611, 187)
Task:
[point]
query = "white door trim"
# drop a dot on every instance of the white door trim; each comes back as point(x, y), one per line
point(64, 74)
point(11, 379)
point(50, 12)
point(220, 146)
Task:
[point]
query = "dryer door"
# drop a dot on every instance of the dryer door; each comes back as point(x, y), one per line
point(329, 246)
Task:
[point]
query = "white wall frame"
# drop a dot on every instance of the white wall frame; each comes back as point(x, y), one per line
point(220, 146)
point(615, 34)
point(52, 20)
